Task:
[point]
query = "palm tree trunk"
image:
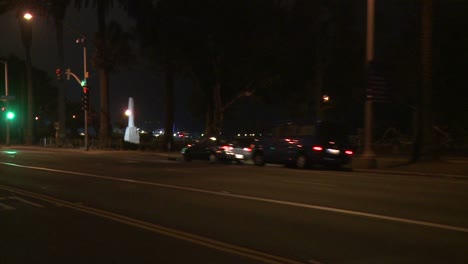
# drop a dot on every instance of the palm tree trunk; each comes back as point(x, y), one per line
point(218, 108)
point(26, 34)
point(104, 114)
point(104, 80)
point(169, 96)
point(61, 84)
point(423, 141)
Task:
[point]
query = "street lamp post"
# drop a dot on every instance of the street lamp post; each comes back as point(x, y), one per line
point(7, 138)
point(368, 153)
point(82, 40)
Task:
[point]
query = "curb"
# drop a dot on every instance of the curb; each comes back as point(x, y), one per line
point(409, 173)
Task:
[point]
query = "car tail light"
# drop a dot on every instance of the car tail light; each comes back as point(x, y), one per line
point(247, 149)
point(349, 152)
point(227, 147)
point(317, 148)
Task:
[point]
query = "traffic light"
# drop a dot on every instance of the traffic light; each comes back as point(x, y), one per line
point(10, 115)
point(58, 72)
point(85, 98)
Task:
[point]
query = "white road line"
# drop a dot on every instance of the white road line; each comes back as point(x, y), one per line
point(170, 232)
point(259, 199)
point(25, 201)
point(6, 207)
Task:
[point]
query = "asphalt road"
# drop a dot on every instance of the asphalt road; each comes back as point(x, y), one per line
point(95, 207)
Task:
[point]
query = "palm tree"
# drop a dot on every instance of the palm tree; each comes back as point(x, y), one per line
point(26, 37)
point(166, 28)
point(58, 9)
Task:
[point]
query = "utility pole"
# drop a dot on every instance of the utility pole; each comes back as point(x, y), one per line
point(7, 137)
point(368, 154)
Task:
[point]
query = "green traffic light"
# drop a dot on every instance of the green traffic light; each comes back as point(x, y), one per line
point(10, 115)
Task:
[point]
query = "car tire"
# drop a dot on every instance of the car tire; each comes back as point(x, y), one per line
point(259, 159)
point(302, 162)
point(212, 158)
point(187, 157)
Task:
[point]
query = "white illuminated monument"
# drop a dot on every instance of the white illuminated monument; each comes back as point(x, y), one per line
point(131, 133)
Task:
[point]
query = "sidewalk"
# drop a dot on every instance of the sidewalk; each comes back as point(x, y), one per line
point(452, 167)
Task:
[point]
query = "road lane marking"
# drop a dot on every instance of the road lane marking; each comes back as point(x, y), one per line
point(312, 183)
point(19, 199)
point(259, 199)
point(6, 207)
point(25, 201)
point(170, 232)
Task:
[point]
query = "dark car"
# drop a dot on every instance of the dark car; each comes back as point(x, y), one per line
point(303, 145)
point(216, 149)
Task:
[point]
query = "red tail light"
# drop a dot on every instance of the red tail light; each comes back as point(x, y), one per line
point(349, 152)
point(317, 148)
point(247, 149)
point(227, 147)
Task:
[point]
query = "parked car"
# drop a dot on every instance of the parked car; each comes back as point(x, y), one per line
point(216, 149)
point(242, 148)
point(303, 145)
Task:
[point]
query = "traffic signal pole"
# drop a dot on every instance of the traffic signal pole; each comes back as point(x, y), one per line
point(85, 78)
point(84, 84)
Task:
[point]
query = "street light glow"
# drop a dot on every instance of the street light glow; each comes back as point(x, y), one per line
point(325, 98)
point(128, 112)
point(28, 16)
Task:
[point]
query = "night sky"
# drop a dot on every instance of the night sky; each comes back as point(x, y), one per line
point(144, 86)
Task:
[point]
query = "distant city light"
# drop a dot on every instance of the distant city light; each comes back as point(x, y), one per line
point(37, 118)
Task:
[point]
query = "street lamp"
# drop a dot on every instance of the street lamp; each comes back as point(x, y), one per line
point(7, 139)
point(325, 98)
point(81, 40)
point(27, 16)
